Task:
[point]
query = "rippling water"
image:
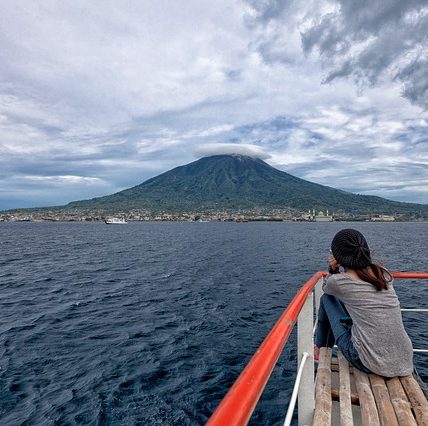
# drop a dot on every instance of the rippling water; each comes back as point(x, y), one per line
point(150, 323)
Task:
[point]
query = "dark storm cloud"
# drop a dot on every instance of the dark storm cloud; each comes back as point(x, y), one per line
point(372, 40)
point(415, 79)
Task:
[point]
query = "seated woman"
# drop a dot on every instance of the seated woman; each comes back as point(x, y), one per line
point(360, 312)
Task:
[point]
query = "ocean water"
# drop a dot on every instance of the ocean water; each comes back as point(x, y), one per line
point(150, 323)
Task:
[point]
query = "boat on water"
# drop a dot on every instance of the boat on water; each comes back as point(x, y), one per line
point(334, 393)
point(115, 221)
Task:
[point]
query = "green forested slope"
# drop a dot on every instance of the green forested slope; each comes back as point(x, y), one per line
point(240, 182)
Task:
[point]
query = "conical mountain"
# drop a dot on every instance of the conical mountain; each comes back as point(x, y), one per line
point(240, 182)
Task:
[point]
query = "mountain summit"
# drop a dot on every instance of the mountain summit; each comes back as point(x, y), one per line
point(239, 182)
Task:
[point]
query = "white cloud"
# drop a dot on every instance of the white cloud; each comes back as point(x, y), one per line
point(121, 91)
point(230, 148)
point(61, 180)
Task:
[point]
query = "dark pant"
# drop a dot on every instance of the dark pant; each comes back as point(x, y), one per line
point(334, 326)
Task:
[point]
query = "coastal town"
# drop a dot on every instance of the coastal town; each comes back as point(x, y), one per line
point(253, 215)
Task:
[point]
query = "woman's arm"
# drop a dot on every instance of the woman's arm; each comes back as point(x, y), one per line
point(330, 285)
point(333, 265)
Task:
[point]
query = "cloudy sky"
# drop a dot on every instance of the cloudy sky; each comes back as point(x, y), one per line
point(99, 96)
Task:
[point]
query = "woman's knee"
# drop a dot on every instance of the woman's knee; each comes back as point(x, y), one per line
point(327, 299)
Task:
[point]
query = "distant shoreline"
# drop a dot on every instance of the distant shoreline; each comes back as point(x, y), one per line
point(101, 221)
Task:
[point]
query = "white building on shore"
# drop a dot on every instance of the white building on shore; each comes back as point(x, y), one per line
point(382, 218)
point(320, 216)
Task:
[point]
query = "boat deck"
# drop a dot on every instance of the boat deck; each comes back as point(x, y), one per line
point(347, 396)
point(340, 396)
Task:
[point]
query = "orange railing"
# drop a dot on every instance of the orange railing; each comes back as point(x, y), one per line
point(239, 403)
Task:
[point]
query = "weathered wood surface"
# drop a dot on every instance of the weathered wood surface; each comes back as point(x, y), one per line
point(417, 399)
point(397, 401)
point(335, 368)
point(335, 396)
point(400, 402)
point(322, 414)
point(344, 392)
point(369, 415)
point(385, 409)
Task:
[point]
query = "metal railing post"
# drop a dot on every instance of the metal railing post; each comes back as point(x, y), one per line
point(317, 294)
point(305, 343)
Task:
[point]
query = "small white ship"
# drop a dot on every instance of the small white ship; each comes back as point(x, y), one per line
point(115, 221)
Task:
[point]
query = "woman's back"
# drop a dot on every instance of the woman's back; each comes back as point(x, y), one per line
point(378, 333)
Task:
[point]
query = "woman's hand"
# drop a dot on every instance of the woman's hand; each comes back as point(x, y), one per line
point(334, 264)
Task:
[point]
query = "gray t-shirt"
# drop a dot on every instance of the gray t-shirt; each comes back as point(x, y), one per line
point(377, 332)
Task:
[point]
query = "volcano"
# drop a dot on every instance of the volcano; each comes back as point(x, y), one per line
point(230, 182)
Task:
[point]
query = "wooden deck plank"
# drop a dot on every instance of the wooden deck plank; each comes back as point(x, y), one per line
point(397, 401)
point(400, 402)
point(345, 392)
point(385, 409)
point(369, 414)
point(322, 414)
point(417, 399)
point(336, 397)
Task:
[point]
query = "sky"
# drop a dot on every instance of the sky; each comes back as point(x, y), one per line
point(99, 96)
